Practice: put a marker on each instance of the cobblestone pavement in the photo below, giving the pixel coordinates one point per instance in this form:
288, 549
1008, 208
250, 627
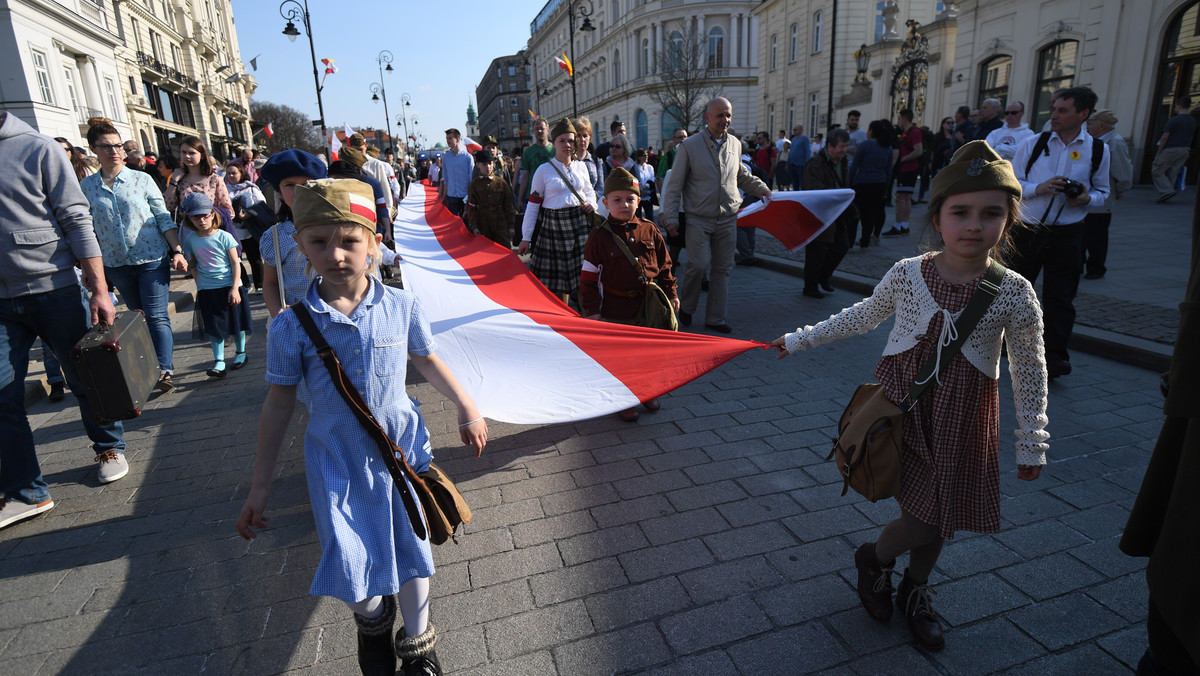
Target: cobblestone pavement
1148, 261
708, 538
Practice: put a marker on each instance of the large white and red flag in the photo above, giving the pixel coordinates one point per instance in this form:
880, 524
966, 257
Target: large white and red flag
796, 217
524, 356
471, 145
335, 147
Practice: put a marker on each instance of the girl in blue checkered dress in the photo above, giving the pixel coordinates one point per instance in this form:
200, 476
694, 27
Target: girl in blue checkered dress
368, 549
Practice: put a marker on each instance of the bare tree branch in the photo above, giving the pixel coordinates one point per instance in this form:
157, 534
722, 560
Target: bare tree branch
291, 127
682, 74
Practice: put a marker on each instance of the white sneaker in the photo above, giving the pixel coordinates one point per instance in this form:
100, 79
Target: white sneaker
12, 511
112, 466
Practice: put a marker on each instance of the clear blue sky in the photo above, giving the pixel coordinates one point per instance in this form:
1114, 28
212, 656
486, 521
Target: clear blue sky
440, 49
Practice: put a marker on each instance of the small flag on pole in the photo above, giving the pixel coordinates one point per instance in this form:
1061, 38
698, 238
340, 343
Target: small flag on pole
330, 69
532, 116
565, 64
254, 62
269, 131
334, 147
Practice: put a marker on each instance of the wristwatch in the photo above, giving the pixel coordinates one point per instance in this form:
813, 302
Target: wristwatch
177, 252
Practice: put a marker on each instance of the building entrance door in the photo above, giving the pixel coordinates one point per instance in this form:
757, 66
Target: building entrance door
1178, 76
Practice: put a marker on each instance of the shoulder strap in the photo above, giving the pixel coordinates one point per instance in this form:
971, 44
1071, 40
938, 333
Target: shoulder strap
1042, 147
633, 260
393, 456
1097, 154
981, 300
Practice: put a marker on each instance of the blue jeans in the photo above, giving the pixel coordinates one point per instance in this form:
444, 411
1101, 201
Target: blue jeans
60, 319
50, 363
144, 287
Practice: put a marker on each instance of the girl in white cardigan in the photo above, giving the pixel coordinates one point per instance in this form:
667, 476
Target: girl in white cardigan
950, 475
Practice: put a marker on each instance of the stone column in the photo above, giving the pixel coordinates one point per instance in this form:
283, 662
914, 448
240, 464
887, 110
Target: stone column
752, 42
735, 52
91, 84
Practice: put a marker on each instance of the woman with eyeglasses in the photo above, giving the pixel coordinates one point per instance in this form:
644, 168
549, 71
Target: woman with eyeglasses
619, 155
138, 240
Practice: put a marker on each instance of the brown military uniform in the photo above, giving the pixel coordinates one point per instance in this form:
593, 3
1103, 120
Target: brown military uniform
609, 285
490, 201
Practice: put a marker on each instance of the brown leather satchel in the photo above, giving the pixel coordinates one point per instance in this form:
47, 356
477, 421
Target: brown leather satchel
871, 429
444, 507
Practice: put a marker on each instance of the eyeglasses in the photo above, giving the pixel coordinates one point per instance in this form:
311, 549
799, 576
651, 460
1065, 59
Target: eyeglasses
112, 148
1012, 112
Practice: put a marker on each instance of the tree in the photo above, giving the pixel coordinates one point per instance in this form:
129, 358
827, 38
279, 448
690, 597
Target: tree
291, 128
683, 90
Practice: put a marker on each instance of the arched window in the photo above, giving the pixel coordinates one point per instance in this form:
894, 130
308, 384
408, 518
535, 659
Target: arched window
675, 53
645, 57
668, 123
993, 79
1056, 69
616, 68
716, 47
817, 30
794, 43
641, 129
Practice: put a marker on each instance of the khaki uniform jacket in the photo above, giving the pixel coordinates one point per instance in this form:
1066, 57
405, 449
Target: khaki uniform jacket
706, 178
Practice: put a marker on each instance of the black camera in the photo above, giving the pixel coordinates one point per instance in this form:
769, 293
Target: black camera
1072, 189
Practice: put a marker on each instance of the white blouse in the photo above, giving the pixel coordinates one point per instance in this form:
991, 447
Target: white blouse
555, 192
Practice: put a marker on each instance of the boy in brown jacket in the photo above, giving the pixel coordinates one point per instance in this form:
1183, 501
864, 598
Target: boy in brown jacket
610, 287
490, 202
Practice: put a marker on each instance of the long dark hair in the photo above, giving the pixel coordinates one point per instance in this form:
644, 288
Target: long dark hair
78, 164
196, 144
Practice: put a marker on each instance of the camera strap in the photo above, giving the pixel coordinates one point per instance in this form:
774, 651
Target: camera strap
1051, 204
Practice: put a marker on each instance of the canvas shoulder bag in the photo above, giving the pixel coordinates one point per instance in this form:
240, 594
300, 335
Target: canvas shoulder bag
444, 506
656, 311
871, 430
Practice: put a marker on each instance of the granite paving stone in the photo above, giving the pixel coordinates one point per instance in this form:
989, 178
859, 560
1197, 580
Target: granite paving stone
707, 538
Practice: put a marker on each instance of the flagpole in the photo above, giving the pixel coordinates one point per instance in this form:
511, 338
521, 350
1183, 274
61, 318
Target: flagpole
301, 12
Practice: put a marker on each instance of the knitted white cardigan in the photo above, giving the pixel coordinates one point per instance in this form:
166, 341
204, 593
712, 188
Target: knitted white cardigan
1015, 316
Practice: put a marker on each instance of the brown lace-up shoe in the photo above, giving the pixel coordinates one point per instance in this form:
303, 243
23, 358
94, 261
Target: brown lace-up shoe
916, 604
874, 582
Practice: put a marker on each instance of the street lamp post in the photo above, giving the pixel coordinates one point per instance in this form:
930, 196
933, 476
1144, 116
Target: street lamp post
295, 11
584, 13
405, 100
384, 57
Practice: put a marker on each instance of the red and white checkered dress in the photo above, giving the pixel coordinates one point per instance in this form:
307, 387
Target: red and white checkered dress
950, 467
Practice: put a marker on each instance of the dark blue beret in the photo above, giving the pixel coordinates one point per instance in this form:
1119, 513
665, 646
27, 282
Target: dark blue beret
293, 162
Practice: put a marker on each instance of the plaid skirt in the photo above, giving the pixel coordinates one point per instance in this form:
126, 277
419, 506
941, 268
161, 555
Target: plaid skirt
558, 251
950, 467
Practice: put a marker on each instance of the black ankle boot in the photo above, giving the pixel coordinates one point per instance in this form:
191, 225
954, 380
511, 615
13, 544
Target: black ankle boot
416, 654
915, 603
874, 582
376, 657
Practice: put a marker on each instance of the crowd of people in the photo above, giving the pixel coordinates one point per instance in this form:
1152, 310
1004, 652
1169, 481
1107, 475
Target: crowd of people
316, 235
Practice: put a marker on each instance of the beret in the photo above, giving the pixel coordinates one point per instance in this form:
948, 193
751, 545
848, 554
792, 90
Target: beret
292, 162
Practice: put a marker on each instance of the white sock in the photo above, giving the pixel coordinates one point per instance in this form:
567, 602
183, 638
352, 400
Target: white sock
369, 608
414, 606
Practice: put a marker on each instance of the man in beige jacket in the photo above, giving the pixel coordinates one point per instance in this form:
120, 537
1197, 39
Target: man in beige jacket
705, 179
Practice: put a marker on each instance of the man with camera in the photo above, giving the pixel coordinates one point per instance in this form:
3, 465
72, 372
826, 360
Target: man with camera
1062, 172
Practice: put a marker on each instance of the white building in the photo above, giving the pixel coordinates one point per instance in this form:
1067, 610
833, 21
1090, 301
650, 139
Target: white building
620, 62
159, 69
62, 66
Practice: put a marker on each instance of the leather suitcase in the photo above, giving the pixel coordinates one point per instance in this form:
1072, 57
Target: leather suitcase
117, 366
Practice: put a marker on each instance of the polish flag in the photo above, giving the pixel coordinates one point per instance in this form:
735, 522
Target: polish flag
268, 131
796, 217
330, 69
524, 356
348, 131
471, 144
565, 64
335, 146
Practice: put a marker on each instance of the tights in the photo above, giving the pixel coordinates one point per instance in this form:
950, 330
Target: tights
413, 602
910, 534
218, 345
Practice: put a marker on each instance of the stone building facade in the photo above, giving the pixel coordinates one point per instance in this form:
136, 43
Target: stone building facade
159, 69
505, 101
619, 63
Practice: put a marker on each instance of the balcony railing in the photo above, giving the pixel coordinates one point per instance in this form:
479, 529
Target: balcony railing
150, 62
93, 10
84, 113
